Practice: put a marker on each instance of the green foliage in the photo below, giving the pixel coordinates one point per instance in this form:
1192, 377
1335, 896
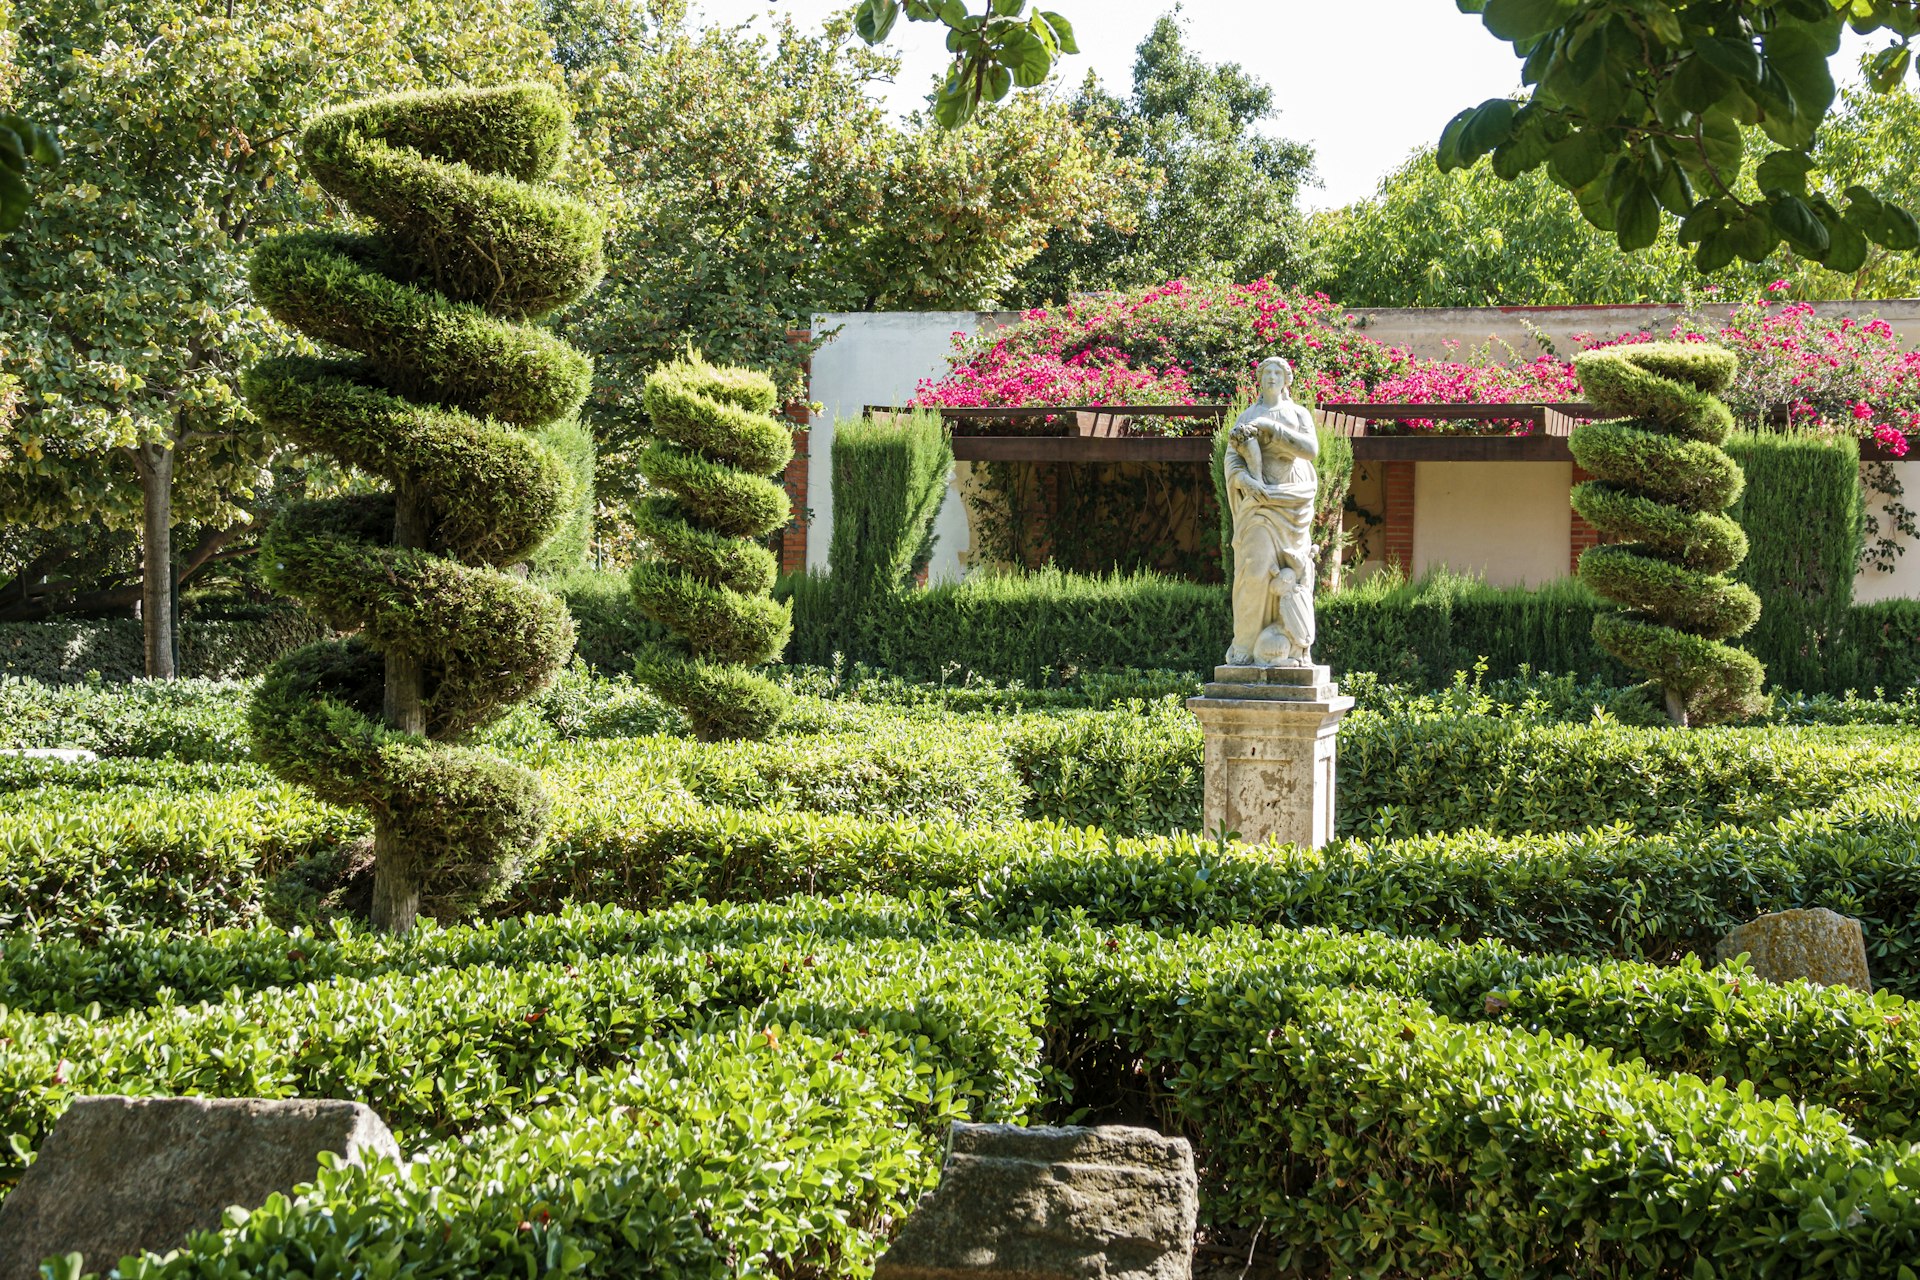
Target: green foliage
1660, 476
442, 404
609, 629
61, 651
1802, 510
889, 479
1224, 196
999, 48
1640, 114
716, 443
566, 551
745, 203
124, 304
768, 1086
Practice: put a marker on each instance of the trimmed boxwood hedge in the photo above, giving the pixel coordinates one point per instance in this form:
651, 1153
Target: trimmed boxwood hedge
718, 1089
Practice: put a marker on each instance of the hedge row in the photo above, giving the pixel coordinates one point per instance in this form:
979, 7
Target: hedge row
633, 1093
63, 651
93, 850
194, 863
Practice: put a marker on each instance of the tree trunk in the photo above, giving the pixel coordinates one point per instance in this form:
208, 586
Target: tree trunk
154, 462
1677, 709
396, 878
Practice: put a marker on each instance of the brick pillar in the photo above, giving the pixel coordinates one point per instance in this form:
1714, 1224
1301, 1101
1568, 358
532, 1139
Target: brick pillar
793, 538
1396, 478
1584, 535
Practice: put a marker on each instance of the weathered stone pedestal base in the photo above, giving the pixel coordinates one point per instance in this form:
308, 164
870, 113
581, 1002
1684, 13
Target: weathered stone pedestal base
1270, 751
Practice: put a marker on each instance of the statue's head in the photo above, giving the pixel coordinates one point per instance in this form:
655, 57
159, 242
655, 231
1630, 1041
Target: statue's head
1275, 373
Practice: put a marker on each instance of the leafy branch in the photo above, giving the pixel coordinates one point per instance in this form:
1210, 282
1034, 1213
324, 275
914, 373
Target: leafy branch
1638, 108
993, 51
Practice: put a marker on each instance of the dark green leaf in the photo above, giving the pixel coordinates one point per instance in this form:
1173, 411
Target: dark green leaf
1577, 159
1847, 252
1636, 217
874, 20
1517, 20
1062, 31
1795, 220
1889, 67
1491, 125
1784, 171
1730, 56
1697, 84
1715, 253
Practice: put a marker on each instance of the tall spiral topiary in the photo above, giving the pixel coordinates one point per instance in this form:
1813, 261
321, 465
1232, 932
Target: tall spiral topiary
449, 385
1662, 481
715, 445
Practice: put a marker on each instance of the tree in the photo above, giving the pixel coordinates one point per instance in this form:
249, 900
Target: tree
25, 146
1662, 481
123, 300
1638, 109
746, 201
716, 443
1224, 199
451, 382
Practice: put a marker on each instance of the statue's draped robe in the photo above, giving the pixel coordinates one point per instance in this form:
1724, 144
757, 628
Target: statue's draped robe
1269, 533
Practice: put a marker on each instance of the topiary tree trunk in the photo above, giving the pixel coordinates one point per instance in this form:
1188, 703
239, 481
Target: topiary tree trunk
1662, 482
715, 443
450, 385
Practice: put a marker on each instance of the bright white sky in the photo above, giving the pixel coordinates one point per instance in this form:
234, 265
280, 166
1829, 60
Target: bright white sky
1363, 81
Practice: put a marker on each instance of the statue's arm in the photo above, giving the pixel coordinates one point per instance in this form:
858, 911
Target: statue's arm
1299, 432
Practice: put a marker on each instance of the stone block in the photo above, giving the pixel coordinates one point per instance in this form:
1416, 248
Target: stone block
1269, 757
1812, 943
118, 1176
1108, 1203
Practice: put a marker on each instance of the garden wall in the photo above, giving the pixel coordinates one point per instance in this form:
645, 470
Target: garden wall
1507, 521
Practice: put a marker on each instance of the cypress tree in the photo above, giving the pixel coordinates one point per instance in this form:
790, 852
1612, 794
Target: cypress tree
444, 398
715, 446
1662, 483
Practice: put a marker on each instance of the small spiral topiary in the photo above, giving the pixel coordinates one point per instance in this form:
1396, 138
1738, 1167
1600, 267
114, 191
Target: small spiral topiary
715, 443
450, 385
1662, 481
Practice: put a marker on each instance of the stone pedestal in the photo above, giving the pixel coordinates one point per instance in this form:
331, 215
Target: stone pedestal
1270, 752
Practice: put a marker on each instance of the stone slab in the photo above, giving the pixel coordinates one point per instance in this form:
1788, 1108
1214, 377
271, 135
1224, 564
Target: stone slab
1106, 1203
119, 1176
1273, 675
1269, 766
1810, 943
1270, 692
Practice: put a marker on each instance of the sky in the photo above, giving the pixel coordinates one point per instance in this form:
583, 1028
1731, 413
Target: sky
1364, 81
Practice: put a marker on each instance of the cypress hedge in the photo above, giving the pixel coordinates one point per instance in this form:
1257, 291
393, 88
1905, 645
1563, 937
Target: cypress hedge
889, 478
445, 399
1803, 514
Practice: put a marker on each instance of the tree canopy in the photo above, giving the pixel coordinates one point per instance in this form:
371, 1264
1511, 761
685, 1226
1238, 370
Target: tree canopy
1224, 199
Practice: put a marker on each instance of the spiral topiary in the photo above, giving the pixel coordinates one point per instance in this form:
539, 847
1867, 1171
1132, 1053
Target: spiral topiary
1662, 480
715, 443
443, 401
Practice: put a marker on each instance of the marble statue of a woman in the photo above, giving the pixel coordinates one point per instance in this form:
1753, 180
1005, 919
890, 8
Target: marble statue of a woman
1271, 486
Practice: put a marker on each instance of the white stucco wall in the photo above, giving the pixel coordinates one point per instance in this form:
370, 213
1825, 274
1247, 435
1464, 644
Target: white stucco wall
1508, 522
879, 358
1904, 581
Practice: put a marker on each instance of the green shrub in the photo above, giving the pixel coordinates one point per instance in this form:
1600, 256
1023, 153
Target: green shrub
1661, 479
445, 403
715, 444
609, 629
889, 478
566, 551
66, 651
1802, 512
202, 720
721, 1089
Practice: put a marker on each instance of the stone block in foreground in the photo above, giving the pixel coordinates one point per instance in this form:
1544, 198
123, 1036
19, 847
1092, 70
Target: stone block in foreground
1811, 942
118, 1176
1108, 1203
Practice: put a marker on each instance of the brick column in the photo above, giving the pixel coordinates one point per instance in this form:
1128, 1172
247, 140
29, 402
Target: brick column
1584, 535
1396, 478
793, 539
